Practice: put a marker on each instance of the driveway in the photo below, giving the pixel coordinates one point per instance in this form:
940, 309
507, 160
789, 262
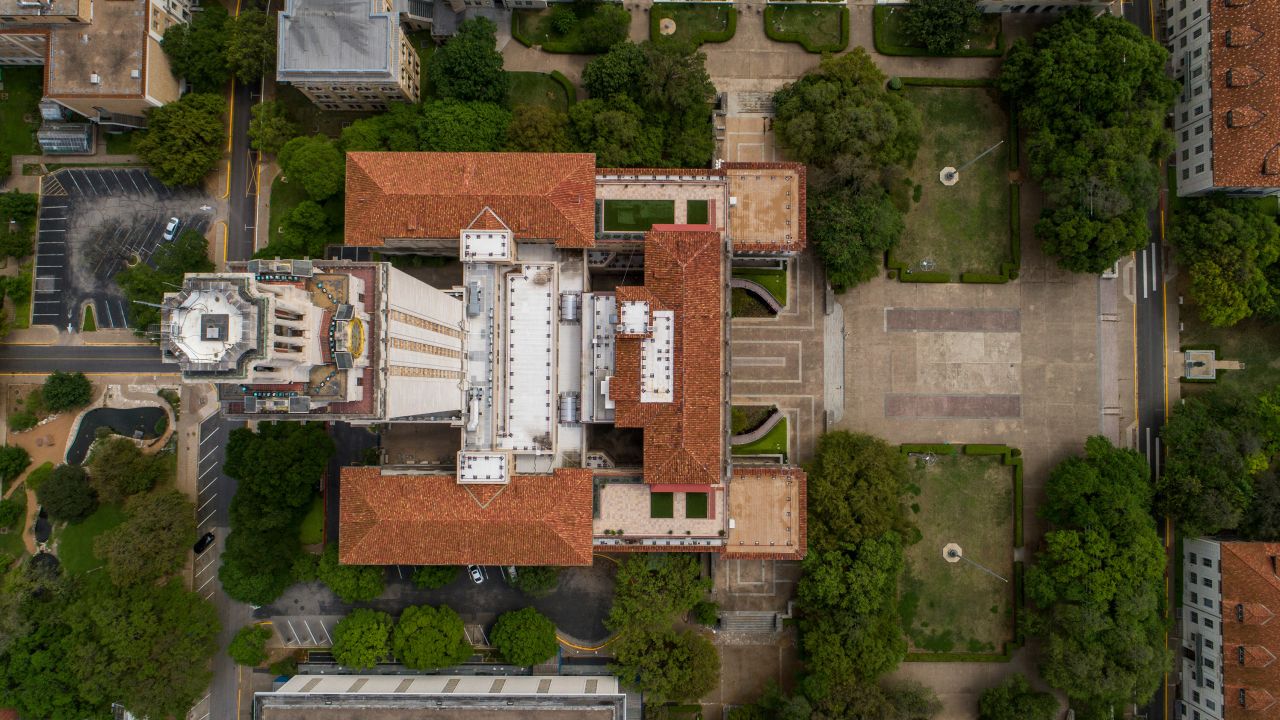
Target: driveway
93, 223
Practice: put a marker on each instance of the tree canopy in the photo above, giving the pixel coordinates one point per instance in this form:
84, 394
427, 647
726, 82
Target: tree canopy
855, 488
145, 284
251, 44
20, 208
1014, 699
119, 468
270, 127
651, 589
249, 646
667, 664
1230, 247
429, 637
152, 542
361, 639
942, 26
13, 461
1211, 455
615, 131
66, 391
525, 637
538, 128
1094, 92
852, 230
537, 581
315, 163
185, 139
351, 583
434, 577
197, 50
455, 126
67, 494
468, 66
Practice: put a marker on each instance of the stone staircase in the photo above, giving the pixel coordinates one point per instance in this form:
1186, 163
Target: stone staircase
745, 621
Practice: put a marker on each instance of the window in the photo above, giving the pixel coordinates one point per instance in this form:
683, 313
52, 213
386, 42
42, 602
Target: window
1200, 131
1197, 33
1195, 617
1195, 598
1196, 15
1207, 602
1195, 74
1182, 24
1195, 696
1239, 612
1182, 42
1211, 704
1208, 663
1185, 173
1198, 90
1193, 575
1186, 136
1197, 52
1208, 622
1208, 683
1240, 697
1185, 156
1208, 644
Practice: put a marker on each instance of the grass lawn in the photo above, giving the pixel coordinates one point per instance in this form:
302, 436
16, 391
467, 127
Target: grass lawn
22, 305
312, 530
661, 505
695, 505
892, 39
75, 542
697, 212
743, 304
773, 280
88, 325
965, 227
286, 196
308, 116
818, 29
637, 215
122, 143
773, 443
11, 544
535, 88
695, 23
955, 607
19, 112
38, 475
533, 27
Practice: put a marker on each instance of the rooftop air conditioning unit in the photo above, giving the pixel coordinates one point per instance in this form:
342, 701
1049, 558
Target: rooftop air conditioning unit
95, 78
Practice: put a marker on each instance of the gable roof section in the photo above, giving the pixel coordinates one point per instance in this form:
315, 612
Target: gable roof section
1248, 579
683, 439
1241, 148
539, 196
433, 520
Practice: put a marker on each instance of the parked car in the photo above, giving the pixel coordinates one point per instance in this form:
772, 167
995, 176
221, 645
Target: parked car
477, 575
203, 543
171, 230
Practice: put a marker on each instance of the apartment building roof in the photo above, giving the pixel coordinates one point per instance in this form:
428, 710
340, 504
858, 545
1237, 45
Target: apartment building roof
336, 37
1250, 590
683, 436
435, 520
538, 196
104, 58
1245, 63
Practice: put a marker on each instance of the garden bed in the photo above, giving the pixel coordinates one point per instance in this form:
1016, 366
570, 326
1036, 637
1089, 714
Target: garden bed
637, 215
816, 28
775, 442
892, 39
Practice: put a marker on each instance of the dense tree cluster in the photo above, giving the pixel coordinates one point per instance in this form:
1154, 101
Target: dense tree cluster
249, 646
362, 639
148, 282
855, 136
1231, 248
315, 163
18, 208
118, 468
537, 581
67, 494
13, 461
185, 139
424, 638
351, 583
1014, 699
468, 66
434, 577
942, 26
270, 127
214, 46
152, 542
1093, 93
1096, 590
66, 391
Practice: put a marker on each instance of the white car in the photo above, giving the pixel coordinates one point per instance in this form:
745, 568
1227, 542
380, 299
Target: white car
171, 230
477, 575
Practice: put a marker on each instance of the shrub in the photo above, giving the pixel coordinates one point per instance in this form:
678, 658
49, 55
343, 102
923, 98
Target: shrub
249, 646
23, 420
434, 577
66, 391
563, 20
706, 612
13, 460
11, 512
351, 583
536, 581
287, 667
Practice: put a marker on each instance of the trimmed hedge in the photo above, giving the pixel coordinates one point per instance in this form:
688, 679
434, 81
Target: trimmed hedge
803, 40
655, 17
885, 46
936, 448
924, 276
949, 82
1015, 159
570, 92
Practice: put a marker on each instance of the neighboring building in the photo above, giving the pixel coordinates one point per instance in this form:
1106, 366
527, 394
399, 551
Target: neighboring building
1226, 54
349, 54
443, 697
61, 138
102, 60
1230, 640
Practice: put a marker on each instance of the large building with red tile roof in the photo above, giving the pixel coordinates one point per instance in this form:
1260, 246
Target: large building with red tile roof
1230, 661
1226, 53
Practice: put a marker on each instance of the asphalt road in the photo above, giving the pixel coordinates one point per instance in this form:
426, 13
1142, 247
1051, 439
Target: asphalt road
242, 214
43, 359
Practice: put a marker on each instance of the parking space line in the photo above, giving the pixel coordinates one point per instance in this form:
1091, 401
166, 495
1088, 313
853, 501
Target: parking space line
72, 174
206, 471
53, 231
206, 455
207, 439
206, 582
110, 321
313, 636
293, 633
206, 486
206, 518
124, 319
206, 502
327, 637
52, 207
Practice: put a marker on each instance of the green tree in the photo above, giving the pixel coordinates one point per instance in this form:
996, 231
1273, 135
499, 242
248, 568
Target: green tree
454, 126
855, 486
604, 28
249, 646
525, 637
351, 583
361, 639
251, 44
617, 72
197, 50
1206, 485
650, 590
152, 542
18, 208
537, 581
853, 230
616, 131
1096, 135
270, 127
315, 163
942, 26
428, 637
666, 665
67, 494
257, 565
1230, 247
11, 511
189, 252
469, 67
1014, 699
66, 391
13, 461
185, 139
434, 577
538, 128
841, 121
119, 468
706, 612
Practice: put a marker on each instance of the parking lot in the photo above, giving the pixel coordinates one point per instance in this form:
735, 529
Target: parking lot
213, 498
93, 223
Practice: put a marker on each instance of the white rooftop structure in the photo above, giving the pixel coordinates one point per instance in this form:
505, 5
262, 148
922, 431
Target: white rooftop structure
486, 245
208, 324
657, 360
635, 317
531, 329
484, 467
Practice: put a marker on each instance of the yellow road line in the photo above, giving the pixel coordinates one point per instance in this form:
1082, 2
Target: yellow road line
224, 241
227, 193
606, 557
566, 643
231, 115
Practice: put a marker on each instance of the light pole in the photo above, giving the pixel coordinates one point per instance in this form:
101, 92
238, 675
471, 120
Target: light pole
950, 176
953, 553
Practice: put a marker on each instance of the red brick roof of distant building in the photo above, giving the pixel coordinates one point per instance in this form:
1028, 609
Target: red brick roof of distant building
683, 439
1246, 156
540, 196
1249, 578
434, 520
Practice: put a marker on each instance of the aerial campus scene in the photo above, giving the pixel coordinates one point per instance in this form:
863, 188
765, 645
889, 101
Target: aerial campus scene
639, 359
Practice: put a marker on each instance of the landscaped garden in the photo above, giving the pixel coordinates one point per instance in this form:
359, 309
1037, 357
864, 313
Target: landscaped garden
75, 541
696, 23
535, 88
966, 227
578, 28
19, 113
637, 215
891, 37
772, 279
773, 442
967, 499
817, 29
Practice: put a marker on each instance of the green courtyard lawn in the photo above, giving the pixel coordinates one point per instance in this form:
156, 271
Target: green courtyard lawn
533, 27
818, 29
965, 227
956, 607
772, 279
661, 505
122, 143
535, 88
312, 530
22, 305
637, 215
286, 196
696, 23
774, 442
695, 505
892, 39
75, 542
19, 112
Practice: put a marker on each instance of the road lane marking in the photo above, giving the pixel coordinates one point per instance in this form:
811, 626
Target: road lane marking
208, 485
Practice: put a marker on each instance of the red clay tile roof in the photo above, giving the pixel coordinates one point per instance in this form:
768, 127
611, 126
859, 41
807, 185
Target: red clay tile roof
543, 196
683, 439
433, 520
1246, 150
1248, 579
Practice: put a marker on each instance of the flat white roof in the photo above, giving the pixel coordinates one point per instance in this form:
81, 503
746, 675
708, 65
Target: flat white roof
186, 326
635, 317
486, 245
656, 360
531, 329
479, 467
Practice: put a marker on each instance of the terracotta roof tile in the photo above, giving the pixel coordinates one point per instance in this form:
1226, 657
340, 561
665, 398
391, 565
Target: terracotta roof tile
543, 196
433, 520
1248, 579
683, 439
1246, 87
